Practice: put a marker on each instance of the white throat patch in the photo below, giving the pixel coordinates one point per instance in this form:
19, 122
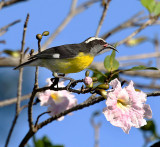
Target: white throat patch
93, 38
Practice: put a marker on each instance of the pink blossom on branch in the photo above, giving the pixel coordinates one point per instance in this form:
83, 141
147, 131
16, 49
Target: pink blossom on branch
126, 107
57, 101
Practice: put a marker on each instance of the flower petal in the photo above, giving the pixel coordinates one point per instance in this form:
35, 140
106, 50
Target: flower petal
125, 107
57, 101
148, 111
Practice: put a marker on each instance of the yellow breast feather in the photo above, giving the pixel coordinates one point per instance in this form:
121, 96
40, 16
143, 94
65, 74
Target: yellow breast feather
70, 65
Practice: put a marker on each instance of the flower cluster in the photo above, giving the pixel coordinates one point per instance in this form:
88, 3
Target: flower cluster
58, 101
125, 107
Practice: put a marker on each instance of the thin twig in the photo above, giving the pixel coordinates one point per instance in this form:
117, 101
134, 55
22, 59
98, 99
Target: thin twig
140, 24
36, 72
106, 5
157, 51
30, 104
140, 56
13, 100
19, 83
3, 41
147, 23
4, 29
36, 78
73, 6
11, 129
133, 64
61, 27
19, 92
156, 93
26, 106
147, 74
9, 3
96, 127
157, 87
40, 116
73, 11
66, 88
124, 25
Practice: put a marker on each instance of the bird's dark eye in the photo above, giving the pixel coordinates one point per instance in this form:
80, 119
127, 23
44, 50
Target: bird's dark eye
101, 42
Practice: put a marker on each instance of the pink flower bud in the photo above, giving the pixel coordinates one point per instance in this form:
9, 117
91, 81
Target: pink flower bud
88, 82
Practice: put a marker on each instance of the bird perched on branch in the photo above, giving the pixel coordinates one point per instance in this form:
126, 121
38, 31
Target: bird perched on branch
70, 58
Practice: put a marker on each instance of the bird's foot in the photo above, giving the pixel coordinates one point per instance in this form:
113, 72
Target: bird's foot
54, 82
56, 78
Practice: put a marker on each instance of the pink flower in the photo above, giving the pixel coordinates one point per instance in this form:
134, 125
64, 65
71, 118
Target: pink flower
58, 101
125, 107
88, 82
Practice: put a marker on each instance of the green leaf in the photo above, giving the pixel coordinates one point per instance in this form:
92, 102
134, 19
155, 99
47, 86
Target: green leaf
110, 63
100, 78
142, 67
150, 126
15, 54
39, 143
135, 41
113, 54
149, 5
144, 3
107, 63
97, 72
157, 9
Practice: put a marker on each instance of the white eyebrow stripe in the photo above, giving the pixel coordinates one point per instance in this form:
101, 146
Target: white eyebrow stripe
93, 38
56, 55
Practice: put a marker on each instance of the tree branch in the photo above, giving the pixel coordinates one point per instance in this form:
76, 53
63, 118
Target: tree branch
147, 23
140, 56
156, 93
13, 100
73, 11
124, 25
9, 3
40, 116
19, 83
106, 5
4, 29
146, 74
150, 86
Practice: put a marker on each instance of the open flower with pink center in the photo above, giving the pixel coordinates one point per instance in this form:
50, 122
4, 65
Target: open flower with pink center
126, 107
58, 101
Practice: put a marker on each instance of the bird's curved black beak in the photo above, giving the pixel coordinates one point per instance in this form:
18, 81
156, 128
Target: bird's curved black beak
110, 47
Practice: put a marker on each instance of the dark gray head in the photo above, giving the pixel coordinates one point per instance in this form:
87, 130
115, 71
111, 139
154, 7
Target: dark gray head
97, 46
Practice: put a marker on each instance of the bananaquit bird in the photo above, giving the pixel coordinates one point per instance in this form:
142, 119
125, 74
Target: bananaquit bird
70, 58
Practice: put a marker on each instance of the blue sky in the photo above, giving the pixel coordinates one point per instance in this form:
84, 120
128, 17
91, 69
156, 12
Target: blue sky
75, 130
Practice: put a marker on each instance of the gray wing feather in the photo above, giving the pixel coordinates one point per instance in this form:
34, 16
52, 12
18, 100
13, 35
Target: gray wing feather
65, 51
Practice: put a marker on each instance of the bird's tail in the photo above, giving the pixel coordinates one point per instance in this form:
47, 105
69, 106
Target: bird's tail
28, 63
